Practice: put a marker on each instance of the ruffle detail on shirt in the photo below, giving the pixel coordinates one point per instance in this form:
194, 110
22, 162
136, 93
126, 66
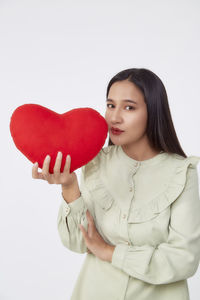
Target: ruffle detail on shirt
102, 195
95, 185
173, 190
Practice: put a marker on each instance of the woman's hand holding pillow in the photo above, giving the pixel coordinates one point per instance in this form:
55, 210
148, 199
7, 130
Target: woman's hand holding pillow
65, 178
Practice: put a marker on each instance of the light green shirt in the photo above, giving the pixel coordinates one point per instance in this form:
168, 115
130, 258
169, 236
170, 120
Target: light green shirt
150, 210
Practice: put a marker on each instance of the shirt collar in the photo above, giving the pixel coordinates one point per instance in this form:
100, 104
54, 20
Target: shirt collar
136, 163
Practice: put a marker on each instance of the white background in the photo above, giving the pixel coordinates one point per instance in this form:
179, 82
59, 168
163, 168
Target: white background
62, 54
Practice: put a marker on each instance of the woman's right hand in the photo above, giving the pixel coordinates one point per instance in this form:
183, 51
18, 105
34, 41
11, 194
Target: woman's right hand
66, 178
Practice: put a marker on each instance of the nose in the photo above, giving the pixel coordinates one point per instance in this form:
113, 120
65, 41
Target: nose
115, 116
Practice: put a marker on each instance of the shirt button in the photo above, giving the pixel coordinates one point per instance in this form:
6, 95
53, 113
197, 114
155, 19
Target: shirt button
130, 189
68, 210
124, 216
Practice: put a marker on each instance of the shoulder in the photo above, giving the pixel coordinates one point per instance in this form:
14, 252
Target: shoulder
185, 163
180, 162
185, 173
104, 154
184, 168
98, 162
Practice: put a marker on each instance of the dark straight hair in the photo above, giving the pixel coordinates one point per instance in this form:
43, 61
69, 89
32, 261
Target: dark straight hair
160, 129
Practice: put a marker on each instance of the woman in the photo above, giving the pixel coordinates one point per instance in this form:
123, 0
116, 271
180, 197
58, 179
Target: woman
137, 214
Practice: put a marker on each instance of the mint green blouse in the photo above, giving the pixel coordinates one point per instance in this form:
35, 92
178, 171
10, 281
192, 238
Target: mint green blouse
150, 210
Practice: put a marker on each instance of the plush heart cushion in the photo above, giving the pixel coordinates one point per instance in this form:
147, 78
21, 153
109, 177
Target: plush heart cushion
38, 131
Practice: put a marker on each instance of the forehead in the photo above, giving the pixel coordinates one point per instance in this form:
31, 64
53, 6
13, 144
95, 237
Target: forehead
125, 89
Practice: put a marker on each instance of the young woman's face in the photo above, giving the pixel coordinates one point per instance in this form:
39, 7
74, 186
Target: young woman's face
127, 116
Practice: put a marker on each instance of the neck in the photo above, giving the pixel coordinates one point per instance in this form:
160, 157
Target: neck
140, 150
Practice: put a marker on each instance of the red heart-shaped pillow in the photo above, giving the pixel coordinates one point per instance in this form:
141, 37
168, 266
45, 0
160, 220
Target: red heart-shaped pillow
38, 131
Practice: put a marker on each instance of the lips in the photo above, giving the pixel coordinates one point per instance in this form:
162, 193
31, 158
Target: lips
116, 129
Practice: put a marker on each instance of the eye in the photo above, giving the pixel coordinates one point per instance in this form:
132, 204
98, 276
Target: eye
108, 105
131, 107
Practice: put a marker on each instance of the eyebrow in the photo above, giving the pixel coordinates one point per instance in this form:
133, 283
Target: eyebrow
124, 100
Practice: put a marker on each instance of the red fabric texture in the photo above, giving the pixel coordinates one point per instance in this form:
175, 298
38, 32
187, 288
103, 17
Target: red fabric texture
38, 131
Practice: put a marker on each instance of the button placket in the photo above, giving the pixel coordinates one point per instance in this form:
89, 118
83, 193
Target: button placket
124, 228
131, 183
67, 210
125, 214
136, 165
133, 172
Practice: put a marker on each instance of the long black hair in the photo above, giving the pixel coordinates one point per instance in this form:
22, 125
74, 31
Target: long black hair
160, 129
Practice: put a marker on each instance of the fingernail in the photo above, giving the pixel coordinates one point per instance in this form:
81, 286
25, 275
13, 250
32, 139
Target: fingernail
59, 153
47, 157
36, 163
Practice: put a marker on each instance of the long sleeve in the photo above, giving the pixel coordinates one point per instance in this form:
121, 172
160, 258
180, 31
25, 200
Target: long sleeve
72, 214
176, 259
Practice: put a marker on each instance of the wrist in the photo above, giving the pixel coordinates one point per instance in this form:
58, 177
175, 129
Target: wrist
69, 186
110, 253
71, 192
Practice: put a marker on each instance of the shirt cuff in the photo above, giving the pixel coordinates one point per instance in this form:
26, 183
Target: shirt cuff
73, 207
119, 254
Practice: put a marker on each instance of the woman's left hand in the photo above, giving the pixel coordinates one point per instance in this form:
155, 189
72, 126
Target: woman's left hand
94, 241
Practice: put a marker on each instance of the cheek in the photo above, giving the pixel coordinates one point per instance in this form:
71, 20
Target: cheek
138, 122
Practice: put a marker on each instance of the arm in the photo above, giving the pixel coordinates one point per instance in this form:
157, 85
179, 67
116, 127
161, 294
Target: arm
72, 212
71, 193
176, 259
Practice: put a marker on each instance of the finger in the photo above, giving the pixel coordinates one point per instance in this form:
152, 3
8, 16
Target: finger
35, 173
45, 167
67, 164
91, 227
58, 162
84, 232
89, 217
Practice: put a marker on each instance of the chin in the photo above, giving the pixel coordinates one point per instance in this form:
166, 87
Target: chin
117, 141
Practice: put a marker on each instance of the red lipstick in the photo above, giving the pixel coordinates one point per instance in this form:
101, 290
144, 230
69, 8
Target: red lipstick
116, 130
